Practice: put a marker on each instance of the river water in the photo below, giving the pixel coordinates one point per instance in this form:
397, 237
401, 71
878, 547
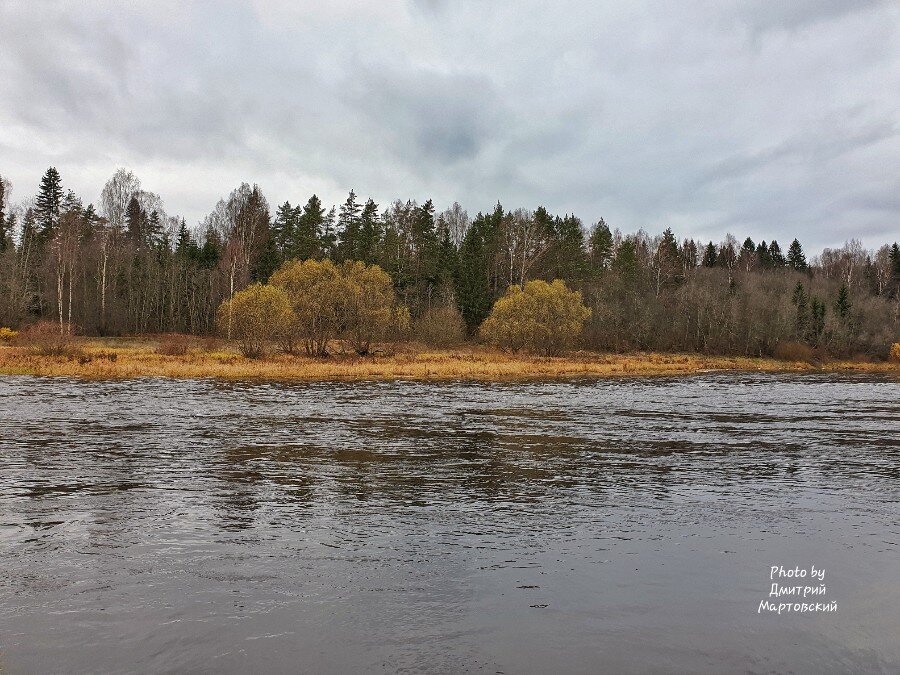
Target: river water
593, 526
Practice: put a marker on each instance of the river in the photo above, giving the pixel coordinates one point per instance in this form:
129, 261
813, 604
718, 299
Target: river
156, 525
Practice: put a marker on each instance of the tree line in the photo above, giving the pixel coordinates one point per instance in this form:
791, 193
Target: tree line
126, 266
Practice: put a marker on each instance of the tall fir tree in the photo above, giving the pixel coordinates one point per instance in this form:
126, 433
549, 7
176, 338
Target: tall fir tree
763, 259
795, 257
370, 233
348, 229
135, 221
842, 305
48, 202
474, 295
776, 258
800, 300
710, 255
184, 242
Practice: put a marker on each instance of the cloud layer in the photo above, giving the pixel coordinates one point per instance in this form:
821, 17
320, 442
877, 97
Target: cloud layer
767, 119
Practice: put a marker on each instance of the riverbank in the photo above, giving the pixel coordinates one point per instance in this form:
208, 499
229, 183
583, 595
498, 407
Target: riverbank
122, 358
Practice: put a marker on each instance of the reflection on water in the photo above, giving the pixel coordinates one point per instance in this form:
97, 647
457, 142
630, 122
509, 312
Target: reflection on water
159, 525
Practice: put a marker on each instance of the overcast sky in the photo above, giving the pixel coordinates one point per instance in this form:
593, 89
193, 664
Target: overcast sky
767, 119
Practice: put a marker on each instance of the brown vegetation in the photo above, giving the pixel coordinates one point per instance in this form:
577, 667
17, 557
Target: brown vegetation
441, 327
794, 351
174, 344
895, 352
138, 357
48, 338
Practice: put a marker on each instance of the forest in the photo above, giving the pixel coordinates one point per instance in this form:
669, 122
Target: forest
124, 266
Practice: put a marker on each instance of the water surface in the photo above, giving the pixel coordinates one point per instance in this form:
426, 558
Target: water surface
161, 526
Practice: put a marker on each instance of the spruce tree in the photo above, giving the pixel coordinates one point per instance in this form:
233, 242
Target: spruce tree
472, 282
800, 300
843, 306
155, 234
762, 255
369, 233
709, 255
817, 320
348, 229
48, 202
135, 221
776, 259
795, 257
184, 244
748, 246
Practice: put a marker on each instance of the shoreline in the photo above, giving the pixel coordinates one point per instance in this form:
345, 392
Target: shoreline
128, 358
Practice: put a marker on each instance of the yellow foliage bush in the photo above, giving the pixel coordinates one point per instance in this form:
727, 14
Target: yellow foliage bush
543, 317
368, 299
314, 289
895, 351
254, 317
7, 334
354, 301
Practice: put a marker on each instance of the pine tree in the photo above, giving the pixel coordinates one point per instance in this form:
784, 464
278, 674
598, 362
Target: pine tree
568, 250
284, 230
310, 239
795, 257
135, 221
709, 255
48, 202
600, 245
626, 263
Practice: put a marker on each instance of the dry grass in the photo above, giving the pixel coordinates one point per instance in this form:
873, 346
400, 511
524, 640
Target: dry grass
139, 357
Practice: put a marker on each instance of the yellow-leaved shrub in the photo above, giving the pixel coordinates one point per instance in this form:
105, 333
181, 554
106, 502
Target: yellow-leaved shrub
542, 317
254, 317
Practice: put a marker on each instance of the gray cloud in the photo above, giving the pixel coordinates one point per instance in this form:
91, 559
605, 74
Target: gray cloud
763, 119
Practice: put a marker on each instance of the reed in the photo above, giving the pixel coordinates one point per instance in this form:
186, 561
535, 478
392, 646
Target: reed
123, 358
